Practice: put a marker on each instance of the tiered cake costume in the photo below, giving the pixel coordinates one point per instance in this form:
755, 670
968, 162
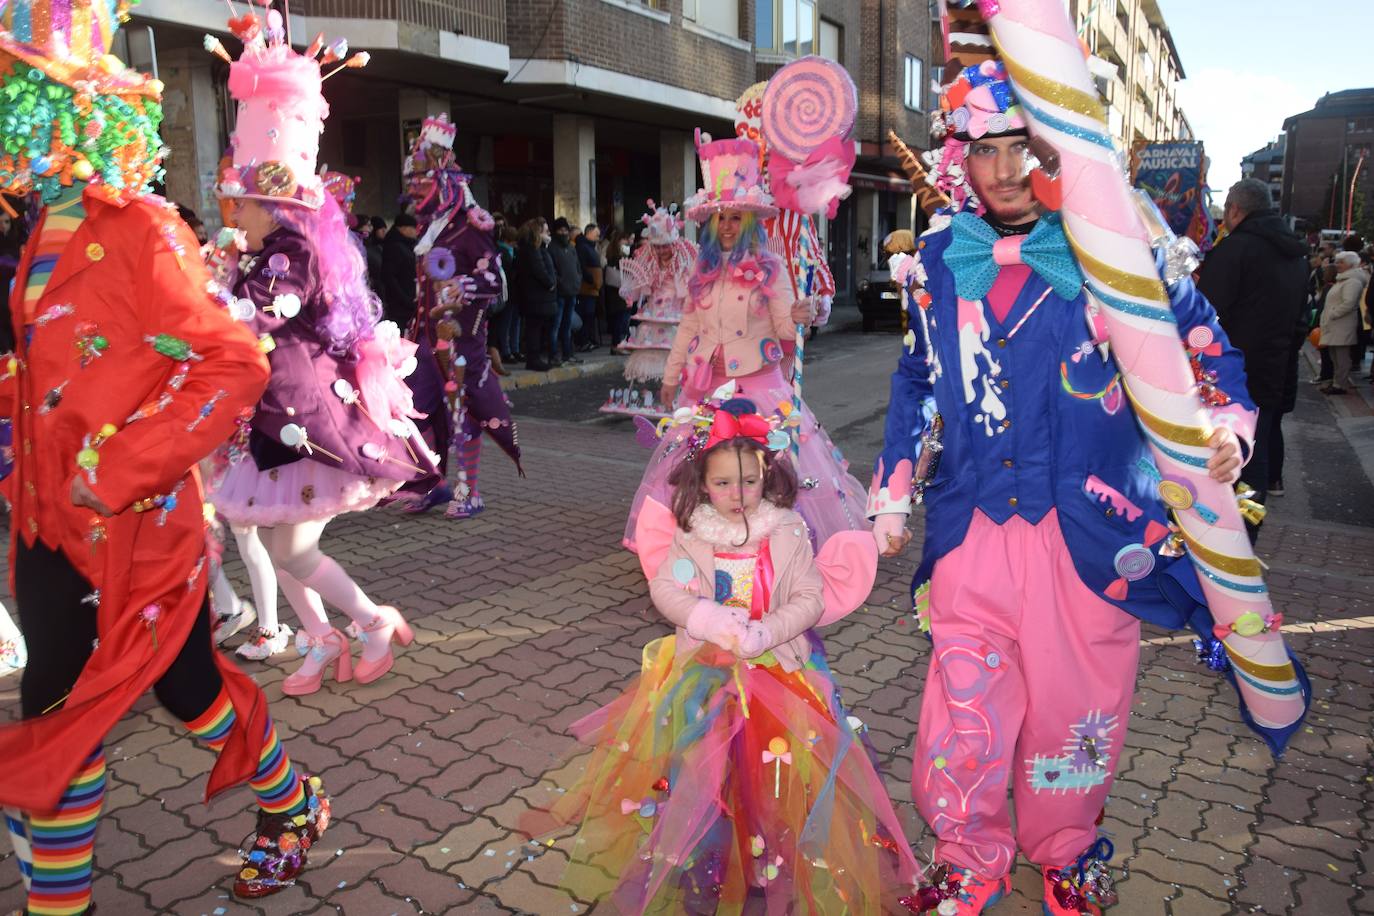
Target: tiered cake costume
460, 280
717, 778
333, 432
737, 330
125, 374
655, 283
1046, 542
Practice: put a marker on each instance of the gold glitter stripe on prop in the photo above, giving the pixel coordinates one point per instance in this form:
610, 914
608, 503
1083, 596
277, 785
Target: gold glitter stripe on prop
1119, 280
1282, 672
1174, 432
1236, 566
1066, 97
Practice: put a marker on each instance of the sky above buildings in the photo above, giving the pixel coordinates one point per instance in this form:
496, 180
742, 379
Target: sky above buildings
1252, 63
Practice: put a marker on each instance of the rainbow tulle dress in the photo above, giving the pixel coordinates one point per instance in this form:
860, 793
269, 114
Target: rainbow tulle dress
716, 784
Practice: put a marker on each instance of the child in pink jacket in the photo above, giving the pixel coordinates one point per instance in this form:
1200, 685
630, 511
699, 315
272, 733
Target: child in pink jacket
729, 769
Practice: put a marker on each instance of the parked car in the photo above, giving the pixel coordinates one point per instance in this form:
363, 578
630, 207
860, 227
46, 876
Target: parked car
880, 302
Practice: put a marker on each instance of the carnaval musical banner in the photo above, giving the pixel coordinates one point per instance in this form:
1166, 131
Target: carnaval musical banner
1175, 176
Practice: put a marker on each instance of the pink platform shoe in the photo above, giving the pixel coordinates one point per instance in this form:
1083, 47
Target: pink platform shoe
388, 626
321, 654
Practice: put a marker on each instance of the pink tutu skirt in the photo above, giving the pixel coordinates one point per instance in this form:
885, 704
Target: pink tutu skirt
829, 498
302, 491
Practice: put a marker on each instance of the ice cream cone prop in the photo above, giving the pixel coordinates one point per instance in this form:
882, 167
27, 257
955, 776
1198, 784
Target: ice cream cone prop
1056, 93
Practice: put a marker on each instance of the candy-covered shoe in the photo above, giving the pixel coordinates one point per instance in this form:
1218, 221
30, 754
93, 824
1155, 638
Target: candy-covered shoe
465, 508
951, 891
321, 654
377, 657
276, 851
1084, 887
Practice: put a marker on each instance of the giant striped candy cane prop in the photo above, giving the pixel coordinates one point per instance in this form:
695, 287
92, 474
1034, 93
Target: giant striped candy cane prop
1037, 42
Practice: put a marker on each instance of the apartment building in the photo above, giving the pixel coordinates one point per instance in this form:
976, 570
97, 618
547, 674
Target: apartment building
1325, 145
1140, 80
579, 108
1266, 165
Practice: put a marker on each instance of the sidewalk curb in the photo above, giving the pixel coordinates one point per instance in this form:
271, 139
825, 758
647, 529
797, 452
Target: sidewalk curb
525, 378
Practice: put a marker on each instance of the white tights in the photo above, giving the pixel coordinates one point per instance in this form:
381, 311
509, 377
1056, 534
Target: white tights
307, 575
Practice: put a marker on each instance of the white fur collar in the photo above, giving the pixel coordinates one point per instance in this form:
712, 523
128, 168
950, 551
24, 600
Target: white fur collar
710, 526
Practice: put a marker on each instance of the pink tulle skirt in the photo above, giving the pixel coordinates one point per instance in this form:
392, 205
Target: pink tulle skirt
303, 491
829, 498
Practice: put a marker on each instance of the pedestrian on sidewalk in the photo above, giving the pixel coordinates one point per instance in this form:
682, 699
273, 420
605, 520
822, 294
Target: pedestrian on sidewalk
617, 309
729, 769
569, 268
1341, 320
589, 294
1256, 279
108, 542
506, 325
398, 271
536, 285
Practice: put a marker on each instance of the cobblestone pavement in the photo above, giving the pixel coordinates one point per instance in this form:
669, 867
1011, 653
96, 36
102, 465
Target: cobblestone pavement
531, 615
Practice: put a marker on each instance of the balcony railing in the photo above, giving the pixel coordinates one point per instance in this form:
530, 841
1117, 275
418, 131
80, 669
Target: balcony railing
483, 19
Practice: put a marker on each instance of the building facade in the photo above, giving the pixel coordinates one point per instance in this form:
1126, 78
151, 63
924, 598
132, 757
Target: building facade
1141, 69
576, 108
1324, 147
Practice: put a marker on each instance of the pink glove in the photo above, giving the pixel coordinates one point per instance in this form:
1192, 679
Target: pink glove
756, 640
718, 624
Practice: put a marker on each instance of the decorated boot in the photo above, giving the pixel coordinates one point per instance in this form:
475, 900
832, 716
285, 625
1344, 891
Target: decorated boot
266, 643
951, 891
277, 850
1085, 887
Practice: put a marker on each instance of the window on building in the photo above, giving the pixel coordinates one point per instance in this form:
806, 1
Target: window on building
717, 15
788, 26
913, 82
832, 41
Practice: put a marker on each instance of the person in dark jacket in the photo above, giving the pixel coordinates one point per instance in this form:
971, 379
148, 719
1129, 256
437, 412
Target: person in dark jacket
398, 272
374, 232
569, 269
536, 289
506, 324
1256, 279
589, 295
12, 237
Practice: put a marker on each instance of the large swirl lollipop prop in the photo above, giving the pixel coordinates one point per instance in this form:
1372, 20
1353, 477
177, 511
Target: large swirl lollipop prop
1039, 46
808, 105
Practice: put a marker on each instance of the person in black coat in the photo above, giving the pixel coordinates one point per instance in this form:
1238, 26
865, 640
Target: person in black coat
1256, 279
398, 272
374, 232
536, 289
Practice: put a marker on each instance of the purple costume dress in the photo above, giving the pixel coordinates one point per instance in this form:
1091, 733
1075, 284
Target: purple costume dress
331, 433
455, 384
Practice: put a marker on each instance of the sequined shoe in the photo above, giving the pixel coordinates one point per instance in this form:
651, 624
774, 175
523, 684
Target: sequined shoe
465, 508
388, 627
322, 654
265, 644
1084, 887
951, 891
227, 625
276, 851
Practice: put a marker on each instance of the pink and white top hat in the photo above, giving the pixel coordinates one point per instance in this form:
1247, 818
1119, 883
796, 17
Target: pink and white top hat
281, 112
730, 169
433, 148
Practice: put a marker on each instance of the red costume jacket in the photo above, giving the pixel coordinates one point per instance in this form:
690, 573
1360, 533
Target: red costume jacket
126, 372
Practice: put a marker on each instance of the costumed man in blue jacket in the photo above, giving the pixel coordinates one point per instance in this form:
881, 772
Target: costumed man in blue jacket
1045, 543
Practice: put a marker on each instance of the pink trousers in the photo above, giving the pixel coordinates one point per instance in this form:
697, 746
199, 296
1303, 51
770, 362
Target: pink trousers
1030, 682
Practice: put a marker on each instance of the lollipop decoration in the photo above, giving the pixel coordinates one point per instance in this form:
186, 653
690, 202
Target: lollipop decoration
808, 112
1038, 44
